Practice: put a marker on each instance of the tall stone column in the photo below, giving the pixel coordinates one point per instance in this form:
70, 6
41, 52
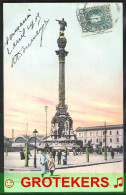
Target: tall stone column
62, 54
62, 115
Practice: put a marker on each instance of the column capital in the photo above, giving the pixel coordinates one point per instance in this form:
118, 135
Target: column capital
61, 53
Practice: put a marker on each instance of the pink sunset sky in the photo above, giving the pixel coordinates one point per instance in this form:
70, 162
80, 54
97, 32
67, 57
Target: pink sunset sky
93, 67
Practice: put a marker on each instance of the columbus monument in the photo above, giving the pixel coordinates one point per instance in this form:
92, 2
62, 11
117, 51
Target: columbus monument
62, 133
62, 123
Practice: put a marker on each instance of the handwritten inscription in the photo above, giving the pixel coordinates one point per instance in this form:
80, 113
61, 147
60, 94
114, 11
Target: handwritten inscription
18, 42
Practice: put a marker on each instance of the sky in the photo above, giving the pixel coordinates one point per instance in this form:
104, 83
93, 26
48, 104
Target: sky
93, 69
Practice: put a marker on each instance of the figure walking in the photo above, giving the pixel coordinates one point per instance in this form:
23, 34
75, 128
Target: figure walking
51, 164
44, 163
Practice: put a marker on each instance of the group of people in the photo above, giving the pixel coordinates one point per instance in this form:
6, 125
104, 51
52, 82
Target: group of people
61, 154
48, 164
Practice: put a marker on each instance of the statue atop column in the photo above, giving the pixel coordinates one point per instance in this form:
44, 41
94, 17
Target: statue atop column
62, 24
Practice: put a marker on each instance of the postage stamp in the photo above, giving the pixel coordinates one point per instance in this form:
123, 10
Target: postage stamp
95, 19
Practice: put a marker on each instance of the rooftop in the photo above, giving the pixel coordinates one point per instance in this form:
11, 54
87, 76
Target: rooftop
120, 126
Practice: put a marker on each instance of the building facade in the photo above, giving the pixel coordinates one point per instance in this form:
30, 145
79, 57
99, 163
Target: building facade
96, 135
22, 140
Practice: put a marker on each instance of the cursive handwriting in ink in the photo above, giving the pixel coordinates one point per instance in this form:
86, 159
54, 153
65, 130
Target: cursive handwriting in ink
18, 55
32, 23
10, 37
43, 28
24, 35
16, 42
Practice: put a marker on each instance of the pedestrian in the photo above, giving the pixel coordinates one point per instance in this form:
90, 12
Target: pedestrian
59, 157
22, 154
80, 150
112, 153
64, 158
117, 149
29, 152
54, 154
44, 163
51, 164
73, 151
65, 150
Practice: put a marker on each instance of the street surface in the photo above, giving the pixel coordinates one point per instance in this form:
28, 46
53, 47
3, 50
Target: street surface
75, 164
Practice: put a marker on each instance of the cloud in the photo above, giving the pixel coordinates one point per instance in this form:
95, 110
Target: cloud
14, 122
9, 115
42, 100
108, 111
77, 111
17, 110
79, 121
104, 104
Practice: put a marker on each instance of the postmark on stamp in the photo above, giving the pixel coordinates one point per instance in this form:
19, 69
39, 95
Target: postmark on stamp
97, 19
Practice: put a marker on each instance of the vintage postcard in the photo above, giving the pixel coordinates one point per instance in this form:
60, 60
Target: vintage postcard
63, 97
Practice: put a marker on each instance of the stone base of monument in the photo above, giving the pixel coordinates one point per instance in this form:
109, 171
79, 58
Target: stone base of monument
61, 143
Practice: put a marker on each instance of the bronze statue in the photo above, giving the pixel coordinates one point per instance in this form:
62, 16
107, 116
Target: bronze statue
62, 24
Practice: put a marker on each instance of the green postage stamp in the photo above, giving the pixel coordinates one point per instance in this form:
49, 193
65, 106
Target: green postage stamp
97, 18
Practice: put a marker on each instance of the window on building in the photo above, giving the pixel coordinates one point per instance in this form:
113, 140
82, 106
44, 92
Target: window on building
85, 141
117, 139
90, 140
85, 133
90, 133
79, 134
96, 140
103, 140
110, 139
103, 133
110, 132
117, 132
96, 133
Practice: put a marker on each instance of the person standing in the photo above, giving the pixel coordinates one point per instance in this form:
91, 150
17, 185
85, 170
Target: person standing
112, 153
22, 154
73, 151
44, 163
65, 150
51, 164
59, 157
54, 154
64, 157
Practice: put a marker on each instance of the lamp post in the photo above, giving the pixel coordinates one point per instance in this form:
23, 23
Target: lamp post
26, 148
35, 131
105, 150
26, 154
7, 146
46, 108
12, 133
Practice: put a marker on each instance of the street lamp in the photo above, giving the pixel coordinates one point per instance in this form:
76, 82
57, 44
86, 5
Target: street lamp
35, 131
105, 150
46, 108
26, 148
26, 152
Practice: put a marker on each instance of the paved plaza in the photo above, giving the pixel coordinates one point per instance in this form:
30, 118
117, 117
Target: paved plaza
12, 162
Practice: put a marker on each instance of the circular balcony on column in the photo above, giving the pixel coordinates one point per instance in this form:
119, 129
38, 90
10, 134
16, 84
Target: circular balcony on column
62, 41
